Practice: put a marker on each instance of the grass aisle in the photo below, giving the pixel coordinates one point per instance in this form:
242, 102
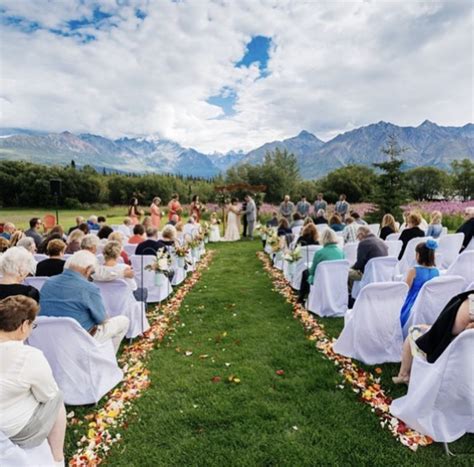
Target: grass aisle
234, 324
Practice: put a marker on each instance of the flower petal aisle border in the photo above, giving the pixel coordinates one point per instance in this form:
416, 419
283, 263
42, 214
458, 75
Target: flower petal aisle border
361, 381
94, 445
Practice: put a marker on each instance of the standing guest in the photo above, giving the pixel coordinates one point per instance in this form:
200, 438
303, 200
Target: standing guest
335, 223
15, 265
54, 265
93, 223
416, 277
119, 237
155, 212
4, 244
369, 247
302, 207
297, 220
250, 214
287, 208
8, 230
273, 222
195, 208
388, 226
16, 237
349, 234
72, 295
320, 203
74, 241
283, 228
329, 252
31, 404
435, 228
309, 235
79, 220
468, 227
320, 217
28, 244
412, 231
33, 231
244, 220
357, 219
174, 208
342, 207
134, 211
138, 235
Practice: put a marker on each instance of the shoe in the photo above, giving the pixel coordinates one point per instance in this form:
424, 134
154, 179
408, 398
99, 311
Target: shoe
401, 380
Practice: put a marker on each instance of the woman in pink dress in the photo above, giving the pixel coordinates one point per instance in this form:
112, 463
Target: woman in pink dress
134, 211
195, 208
175, 208
156, 212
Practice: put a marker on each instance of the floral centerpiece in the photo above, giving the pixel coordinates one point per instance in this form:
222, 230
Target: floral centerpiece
181, 251
205, 229
161, 266
291, 257
264, 231
195, 245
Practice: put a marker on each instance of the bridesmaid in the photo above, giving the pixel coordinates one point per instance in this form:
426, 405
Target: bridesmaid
156, 212
195, 208
134, 212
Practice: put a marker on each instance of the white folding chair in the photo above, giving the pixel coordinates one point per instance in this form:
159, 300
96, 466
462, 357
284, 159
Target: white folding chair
328, 295
119, 300
296, 231
449, 246
307, 253
380, 269
432, 298
440, 398
12, 455
469, 287
40, 257
462, 266
179, 271
130, 248
392, 237
470, 245
372, 331
409, 256
84, 369
444, 231
350, 252
146, 279
374, 228
321, 228
394, 247
36, 281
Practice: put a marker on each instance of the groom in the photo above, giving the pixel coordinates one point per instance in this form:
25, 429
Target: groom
250, 214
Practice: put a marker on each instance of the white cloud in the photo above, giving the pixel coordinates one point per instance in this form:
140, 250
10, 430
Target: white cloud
333, 66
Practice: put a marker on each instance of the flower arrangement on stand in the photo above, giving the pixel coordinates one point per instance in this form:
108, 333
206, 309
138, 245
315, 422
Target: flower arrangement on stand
291, 257
195, 245
205, 230
274, 242
181, 251
161, 266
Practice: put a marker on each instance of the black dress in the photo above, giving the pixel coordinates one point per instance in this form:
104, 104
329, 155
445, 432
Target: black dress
407, 235
468, 230
385, 232
8, 290
435, 341
50, 267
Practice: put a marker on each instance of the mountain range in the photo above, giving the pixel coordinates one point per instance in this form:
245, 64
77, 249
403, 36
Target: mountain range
425, 145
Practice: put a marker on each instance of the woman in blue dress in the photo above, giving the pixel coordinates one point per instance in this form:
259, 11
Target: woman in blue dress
417, 276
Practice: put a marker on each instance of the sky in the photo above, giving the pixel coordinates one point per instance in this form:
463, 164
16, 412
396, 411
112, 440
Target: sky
228, 75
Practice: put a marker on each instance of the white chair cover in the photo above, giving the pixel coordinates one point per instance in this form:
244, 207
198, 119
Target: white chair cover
278, 260
374, 228
463, 266
190, 229
444, 231
12, 455
328, 295
322, 227
469, 287
449, 246
296, 231
409, 256
307, 253
179, 271
394, 247
37, 281
380, 269
124, 230
392, 237
470, 245
432, 298
130, 248
84, 369
372, 331
440, 398
40, 257
144, 278
350, 252
119, 300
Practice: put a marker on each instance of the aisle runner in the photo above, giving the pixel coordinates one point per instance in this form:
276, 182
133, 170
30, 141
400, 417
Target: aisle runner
94, 446
361, 381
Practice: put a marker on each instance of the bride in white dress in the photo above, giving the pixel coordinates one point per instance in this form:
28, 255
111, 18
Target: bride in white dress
232, 231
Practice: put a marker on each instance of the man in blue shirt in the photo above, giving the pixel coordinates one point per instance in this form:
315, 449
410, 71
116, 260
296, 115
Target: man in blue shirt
71, 295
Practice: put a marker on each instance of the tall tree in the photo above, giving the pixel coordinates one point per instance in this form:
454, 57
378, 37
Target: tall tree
463, 178
426, 183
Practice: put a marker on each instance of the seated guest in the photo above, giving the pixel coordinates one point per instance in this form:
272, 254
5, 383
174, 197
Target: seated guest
412, 231
349, 234
119, 237
329, 252
388, 226
168, 237
435, 228
297, 220
308, 220
56, 233
369, 247
273, 222
283, 228
31, 404
93, 223
8, 230
16, 237
138, 235
85, 228
357, 219
74, 241
4, 244
309, 236
34, 231
104, 233
72, 295
126, 227
468, 227
423, 224
429, 342
173, 220
151, 245
54, 265
15, 265
335, 223
147, 222
417, 276
91, 243
28, 244
79, 220
320, 217
101, 220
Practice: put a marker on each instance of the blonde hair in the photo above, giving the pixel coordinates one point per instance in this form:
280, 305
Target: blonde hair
112, 250
389, 221
116, 237
329, 237
414, 219
16, 237
169, 232
75, 235
436, 217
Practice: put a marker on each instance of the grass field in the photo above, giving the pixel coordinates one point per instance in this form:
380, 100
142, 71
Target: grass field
236, 326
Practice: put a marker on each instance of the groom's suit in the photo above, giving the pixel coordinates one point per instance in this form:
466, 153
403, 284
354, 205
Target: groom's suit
251, 216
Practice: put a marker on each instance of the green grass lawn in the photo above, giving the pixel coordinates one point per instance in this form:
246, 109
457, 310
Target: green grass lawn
236, 326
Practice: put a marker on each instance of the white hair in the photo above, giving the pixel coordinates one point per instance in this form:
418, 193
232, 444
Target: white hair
81, 259
28, 244
90, 241
169, 232
329, 237
93, 219
17, 261
470, 211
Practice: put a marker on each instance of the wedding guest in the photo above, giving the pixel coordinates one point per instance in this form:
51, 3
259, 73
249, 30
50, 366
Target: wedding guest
93, 223
319, 204
151, 245
302, 207
35, 226
174, 208
335, 223
126, 227
342, 207
138, 235
4, 244
214, 229
329, 252
429, 342
101, 220
54, 265
79, 220
168, 237
308, 220
273, 222
134, 211
283, 228
56, 233
349, 233
416, 277
84, 228
250, 214
8, 230
309, 236
468, 227
119, 237
412, 231
15, 265
357, 219
104, 233
174, 220
74, 241
16, 237
320, 217
195, 208
297, 221
435, 228
155, 212
31, 404
90, 243
287, 208
28, 244
244, 219
423, 225
147, 222
388, 226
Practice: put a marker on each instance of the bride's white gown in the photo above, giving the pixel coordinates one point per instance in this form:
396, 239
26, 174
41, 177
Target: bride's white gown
232, 232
